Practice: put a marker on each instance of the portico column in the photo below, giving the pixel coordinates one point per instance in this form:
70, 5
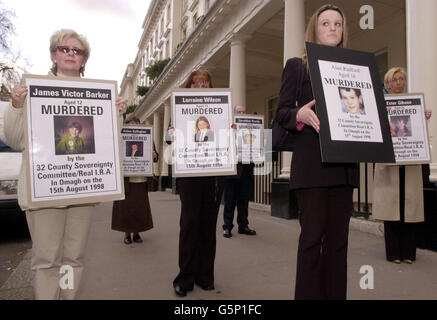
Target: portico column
237, 78
157, 137
294, 35
162, 155
421, 63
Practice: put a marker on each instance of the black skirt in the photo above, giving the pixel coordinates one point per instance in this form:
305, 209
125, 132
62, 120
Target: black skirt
133, 214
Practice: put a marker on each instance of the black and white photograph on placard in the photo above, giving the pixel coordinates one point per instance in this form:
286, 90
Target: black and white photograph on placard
350, 105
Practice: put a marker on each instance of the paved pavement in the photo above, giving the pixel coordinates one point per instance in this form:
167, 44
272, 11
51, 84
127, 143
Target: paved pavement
260, 267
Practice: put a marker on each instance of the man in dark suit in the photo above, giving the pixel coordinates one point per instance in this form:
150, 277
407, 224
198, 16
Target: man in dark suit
237, 193
134, 151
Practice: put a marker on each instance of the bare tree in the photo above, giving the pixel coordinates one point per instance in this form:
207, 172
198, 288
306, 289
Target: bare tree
10, 70
6, 27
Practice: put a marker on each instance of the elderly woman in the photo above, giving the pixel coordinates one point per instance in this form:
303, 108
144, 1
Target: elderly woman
59, 235
392, 186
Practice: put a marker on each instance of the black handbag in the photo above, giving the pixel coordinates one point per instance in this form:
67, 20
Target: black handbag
283, 139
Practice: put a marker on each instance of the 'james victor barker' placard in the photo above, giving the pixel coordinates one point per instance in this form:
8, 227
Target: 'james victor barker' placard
203, 143
73, 141
350, 105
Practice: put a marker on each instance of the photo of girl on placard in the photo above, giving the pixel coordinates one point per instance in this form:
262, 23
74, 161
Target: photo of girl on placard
203, 131
401, 125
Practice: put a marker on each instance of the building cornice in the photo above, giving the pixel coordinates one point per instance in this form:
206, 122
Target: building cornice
205, 37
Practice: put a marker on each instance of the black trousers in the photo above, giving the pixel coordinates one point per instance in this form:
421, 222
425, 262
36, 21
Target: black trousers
200, 201
237, 193
400, 242
324, 215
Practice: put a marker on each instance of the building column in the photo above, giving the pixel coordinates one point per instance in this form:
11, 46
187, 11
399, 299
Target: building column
237, 78
164, 152
202, 7
294, 35
157, 138
421, 63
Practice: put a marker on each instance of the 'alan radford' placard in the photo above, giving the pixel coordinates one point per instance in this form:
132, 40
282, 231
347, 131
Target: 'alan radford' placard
350, 105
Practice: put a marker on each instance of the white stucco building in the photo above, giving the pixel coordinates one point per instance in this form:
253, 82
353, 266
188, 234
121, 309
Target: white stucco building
244, 45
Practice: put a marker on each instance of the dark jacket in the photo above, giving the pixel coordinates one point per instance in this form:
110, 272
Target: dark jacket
307, 170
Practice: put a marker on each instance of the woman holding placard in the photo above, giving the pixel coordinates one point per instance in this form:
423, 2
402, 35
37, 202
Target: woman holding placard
200, 202
393, 185
59, 235
133, 214
324, 191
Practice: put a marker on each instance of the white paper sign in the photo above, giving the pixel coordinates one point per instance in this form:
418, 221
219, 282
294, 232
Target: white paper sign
250, 138
137, 146
350, 102
203, 143
409, 130
73, 141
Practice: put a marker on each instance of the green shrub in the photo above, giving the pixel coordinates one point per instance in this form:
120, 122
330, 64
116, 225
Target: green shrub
155, 69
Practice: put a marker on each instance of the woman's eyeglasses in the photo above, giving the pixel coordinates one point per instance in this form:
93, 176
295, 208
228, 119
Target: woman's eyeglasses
397, 79
66, 50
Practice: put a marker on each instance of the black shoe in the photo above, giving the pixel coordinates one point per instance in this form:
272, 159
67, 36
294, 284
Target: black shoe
127, 240
181, 292
227, 233
137, 238
247, 231
206, 287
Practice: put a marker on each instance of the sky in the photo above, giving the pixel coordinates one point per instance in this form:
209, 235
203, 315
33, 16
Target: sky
112, 27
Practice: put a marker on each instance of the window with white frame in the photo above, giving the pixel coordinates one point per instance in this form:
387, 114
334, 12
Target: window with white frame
169, 13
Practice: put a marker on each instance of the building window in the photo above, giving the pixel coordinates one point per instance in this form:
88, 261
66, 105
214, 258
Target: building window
184, 32
169, 13
272, 106
382, 63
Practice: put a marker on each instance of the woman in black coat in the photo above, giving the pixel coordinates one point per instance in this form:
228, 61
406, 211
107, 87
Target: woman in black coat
133, 214
200, 203
323, 190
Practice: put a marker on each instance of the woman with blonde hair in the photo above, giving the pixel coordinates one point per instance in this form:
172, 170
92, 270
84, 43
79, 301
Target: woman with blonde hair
59, 234
323, 190
393, 185
395, 80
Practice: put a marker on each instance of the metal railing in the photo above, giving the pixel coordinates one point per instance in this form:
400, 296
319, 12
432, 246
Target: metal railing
263, 185
262, 188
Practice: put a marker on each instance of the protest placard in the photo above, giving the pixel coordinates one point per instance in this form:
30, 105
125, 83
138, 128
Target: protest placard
137, 143
409, 129
350, 105
203, 142
250, 138
72, 141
